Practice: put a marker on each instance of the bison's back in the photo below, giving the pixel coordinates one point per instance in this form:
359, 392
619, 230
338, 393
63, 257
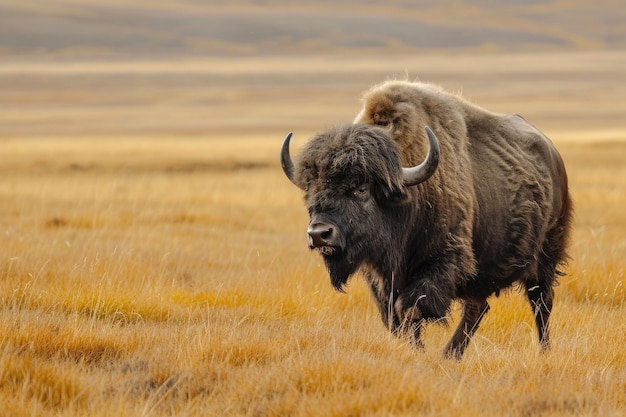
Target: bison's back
499, 195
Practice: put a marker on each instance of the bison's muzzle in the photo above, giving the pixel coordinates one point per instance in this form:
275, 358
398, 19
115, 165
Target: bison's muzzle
325, 236
321, 234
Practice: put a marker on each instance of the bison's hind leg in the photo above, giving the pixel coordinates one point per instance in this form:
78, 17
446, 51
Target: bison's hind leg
552, 256
473, 313
541, 297
540, 292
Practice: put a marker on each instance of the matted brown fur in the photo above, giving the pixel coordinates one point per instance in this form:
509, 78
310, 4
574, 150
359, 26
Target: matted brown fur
496, 211
404, 109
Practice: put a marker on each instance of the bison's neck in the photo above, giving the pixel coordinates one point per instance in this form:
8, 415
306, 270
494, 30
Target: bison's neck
429, 234
407, 244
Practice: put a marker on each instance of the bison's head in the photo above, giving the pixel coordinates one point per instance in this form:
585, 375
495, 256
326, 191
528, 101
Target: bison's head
357, 195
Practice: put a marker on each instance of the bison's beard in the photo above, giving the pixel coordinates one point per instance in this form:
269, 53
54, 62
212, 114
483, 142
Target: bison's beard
340, 267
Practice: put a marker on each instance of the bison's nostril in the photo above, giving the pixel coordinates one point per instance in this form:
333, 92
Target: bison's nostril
320, 234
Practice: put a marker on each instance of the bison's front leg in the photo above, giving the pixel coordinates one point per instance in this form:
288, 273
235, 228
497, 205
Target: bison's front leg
408, 321
428, 299
473, 312
399, 318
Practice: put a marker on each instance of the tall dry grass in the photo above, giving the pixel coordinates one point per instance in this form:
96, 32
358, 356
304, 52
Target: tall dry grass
146, 269
156, 285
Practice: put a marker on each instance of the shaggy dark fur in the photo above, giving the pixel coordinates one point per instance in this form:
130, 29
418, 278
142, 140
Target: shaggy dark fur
496, 212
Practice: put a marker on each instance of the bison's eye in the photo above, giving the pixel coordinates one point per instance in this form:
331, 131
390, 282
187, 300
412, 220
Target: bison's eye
362, 191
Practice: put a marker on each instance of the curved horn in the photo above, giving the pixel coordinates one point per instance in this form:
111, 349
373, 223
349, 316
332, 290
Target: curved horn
420, 173
285, 159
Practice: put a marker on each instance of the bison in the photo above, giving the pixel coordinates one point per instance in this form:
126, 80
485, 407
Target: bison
484, 206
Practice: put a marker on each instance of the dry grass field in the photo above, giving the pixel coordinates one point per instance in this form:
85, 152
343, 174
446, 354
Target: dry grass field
153, 258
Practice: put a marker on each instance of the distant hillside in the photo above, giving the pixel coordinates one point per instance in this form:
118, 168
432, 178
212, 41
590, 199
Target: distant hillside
101, 28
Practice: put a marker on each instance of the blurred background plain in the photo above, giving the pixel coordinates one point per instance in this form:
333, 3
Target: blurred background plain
211, 68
